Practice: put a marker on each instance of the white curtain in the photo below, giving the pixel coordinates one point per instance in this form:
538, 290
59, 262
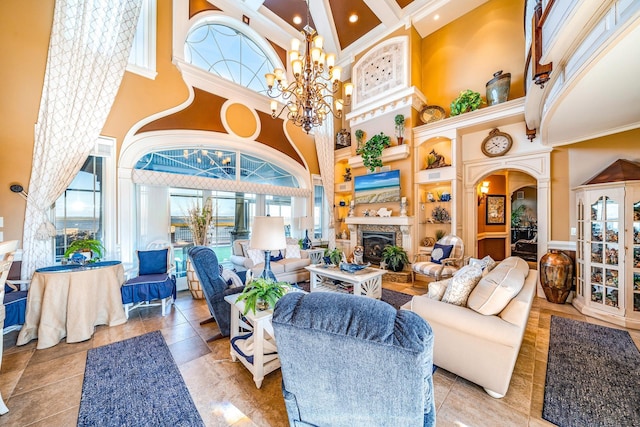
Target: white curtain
324, 148
88, 52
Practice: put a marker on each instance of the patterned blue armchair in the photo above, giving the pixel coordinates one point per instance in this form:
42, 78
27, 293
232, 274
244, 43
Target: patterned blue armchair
353, 361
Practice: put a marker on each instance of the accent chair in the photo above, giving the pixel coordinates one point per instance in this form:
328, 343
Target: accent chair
7, 251
447, 257
353, 361
214, 287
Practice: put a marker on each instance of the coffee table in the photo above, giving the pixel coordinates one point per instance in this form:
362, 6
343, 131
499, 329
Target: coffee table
366, 282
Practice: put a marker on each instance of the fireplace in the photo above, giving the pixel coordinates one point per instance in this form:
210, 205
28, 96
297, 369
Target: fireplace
374, 242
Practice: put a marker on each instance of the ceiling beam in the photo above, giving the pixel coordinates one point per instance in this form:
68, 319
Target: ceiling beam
387, 11
323, 20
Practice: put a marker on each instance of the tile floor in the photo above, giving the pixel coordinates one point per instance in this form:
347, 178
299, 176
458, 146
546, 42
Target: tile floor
42, 387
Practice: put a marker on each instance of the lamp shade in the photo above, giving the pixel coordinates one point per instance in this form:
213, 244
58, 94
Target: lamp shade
268, 233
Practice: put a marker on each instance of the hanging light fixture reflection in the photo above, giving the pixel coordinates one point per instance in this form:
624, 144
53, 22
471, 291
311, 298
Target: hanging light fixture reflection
309, 99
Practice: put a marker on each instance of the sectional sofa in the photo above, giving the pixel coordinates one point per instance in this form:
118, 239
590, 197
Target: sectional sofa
288, 264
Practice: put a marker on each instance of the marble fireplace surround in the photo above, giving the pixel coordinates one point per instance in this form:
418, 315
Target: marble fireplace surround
400, 224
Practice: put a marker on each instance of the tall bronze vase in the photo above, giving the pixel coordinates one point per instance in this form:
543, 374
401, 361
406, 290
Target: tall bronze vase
556, 272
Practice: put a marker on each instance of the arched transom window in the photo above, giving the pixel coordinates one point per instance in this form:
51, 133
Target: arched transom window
229, 54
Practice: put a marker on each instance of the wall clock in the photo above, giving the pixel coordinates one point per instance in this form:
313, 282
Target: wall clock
496, 143
432, 113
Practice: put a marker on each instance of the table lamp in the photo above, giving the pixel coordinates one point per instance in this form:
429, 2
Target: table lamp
267, 234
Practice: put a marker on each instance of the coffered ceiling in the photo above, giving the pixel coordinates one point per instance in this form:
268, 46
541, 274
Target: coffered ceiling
331, 18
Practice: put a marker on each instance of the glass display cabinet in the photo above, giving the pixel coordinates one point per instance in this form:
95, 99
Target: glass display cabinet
608, 252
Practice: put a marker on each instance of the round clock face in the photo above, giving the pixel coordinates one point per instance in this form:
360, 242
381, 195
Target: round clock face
496, 144
431, 113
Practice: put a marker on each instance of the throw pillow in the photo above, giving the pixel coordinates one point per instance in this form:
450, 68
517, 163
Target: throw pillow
245, 248
278, 257
486, 264
255, 255
462, 283
440, 252
152, 262
497, 289
231, 278
293, 251
437, 289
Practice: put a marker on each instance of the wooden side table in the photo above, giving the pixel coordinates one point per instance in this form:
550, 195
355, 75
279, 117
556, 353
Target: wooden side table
258, 353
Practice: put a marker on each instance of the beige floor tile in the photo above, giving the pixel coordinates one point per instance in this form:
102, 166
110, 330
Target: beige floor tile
68, 418
50, 372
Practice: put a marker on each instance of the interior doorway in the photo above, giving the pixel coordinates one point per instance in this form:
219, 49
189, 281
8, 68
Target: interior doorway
524, 223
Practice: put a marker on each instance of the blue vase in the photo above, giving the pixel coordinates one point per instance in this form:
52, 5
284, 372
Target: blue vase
306, 242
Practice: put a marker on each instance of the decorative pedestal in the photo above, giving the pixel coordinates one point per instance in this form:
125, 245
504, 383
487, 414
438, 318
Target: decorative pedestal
194, 283
556, 271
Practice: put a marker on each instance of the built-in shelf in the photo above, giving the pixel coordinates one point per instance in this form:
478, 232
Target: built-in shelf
397, 152
380, 220
427, 176
344, 187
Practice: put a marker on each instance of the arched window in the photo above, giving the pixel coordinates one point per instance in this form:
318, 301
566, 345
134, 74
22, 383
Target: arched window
228, 53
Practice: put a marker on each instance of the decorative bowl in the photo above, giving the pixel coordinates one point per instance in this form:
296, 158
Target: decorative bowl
352, 268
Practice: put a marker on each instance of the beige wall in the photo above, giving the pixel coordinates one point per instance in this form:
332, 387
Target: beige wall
465, 53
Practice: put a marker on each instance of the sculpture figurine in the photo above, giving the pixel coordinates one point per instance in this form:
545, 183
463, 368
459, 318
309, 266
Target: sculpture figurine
384, 212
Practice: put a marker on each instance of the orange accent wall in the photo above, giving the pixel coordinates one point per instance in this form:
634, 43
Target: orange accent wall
197, 6
272, 134
241, 120
465, 53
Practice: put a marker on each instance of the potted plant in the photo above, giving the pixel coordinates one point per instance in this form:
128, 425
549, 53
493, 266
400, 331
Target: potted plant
332, 256
399, 120
395, 257
199, 220
440, 234
95, 247
371, 151
468, 100
359, 137
262, 294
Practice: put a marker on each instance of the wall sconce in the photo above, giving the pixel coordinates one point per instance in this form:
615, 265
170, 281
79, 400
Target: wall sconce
484, 190
18, 189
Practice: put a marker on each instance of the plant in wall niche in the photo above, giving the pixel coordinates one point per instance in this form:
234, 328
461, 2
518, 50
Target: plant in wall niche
371, 151
395, 257
399, 120
440, 234
468, 100
359, 137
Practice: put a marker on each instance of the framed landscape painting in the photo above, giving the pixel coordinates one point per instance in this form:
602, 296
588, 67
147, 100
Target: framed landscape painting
495, 209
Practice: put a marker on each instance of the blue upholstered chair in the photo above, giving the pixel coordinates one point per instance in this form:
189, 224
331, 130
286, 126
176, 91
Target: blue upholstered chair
447, 257
7, 251
214, 287
353, 361
156, 280
15, 299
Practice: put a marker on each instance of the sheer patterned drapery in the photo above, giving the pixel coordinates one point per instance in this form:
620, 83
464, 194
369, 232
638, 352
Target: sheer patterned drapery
324, 148
88, 51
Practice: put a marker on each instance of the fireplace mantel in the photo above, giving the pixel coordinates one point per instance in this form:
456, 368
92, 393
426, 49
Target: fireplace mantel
379, 220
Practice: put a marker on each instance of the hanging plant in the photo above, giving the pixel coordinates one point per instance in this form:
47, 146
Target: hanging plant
371, 151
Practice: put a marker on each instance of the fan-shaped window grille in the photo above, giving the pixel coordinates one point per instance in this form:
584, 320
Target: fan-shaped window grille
228, 53
216, 164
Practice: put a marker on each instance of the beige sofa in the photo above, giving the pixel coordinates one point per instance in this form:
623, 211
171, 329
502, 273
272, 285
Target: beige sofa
291, 270
483, 348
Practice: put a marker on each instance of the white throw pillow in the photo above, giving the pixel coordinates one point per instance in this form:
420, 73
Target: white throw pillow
231, 277
255, 255
498, 288
437, 289
462, 283
486, 264
293, 251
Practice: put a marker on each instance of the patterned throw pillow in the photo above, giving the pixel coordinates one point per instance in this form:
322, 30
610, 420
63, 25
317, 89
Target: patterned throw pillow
437, 289
293, 251
486, 264
440, 252
462, 283
255, 255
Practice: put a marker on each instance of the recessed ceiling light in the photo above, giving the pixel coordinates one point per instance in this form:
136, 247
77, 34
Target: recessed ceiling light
436, 17
353, 18
297, 20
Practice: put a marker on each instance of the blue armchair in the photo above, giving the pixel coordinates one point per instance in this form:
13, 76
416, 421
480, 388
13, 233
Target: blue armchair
214, 287
370, 364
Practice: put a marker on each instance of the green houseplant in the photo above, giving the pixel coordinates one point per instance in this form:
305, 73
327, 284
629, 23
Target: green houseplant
359, 136
468, 100
262, 294
399, 121
86, 245
371, 151
333, 256
395, 257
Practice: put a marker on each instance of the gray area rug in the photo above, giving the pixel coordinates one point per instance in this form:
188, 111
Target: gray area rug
593, 376
396, 299
135, 382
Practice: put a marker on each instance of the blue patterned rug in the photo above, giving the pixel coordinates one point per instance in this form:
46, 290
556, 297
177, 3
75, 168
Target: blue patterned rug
135, 382
593, 376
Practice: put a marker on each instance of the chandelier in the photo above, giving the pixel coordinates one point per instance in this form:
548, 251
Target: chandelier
309, 99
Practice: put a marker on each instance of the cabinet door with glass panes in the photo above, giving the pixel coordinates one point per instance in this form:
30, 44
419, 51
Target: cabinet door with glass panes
633, 219
604, 237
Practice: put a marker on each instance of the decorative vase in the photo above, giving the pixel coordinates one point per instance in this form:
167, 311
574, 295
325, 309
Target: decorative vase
556, 271
262, 305
194, 282
397, 268
498, 88
306, 242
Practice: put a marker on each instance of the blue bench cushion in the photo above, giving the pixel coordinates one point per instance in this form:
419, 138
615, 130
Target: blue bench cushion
148, 287
15, 304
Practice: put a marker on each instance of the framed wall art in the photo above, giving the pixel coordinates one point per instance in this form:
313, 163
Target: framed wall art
495, 209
